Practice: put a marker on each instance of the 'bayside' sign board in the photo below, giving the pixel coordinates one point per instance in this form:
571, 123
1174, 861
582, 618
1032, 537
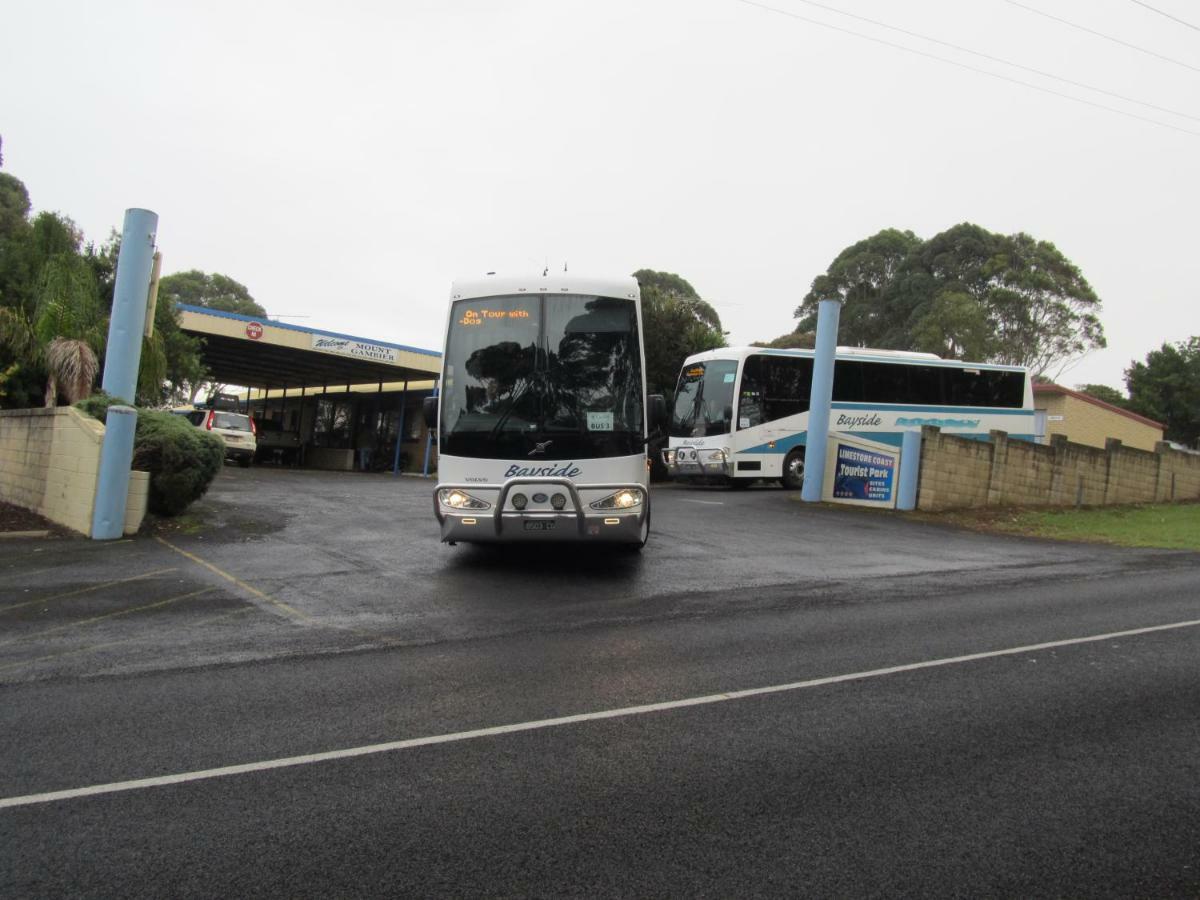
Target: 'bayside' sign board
860, 472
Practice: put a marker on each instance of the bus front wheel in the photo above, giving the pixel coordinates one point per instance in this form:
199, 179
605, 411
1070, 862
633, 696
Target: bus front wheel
793, 470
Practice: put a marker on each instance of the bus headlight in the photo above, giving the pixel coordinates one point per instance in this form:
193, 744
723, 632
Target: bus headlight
456, 499
626, 498
668, 457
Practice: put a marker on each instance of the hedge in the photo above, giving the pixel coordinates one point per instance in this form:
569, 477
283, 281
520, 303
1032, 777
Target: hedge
182, 460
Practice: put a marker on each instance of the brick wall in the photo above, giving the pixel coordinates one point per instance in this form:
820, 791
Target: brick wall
49, 461
959, 473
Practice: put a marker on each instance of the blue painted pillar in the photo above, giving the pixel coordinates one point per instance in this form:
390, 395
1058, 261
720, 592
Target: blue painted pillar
112, 485
124, 352
828, 314
910, 469
122, 358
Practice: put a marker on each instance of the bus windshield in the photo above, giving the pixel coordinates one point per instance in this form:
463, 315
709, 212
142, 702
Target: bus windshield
704, 399
542, 377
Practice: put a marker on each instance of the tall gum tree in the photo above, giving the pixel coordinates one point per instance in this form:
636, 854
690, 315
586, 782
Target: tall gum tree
966, 293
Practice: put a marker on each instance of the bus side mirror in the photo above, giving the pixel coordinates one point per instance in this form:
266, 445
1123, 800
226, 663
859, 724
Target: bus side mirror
430, 407
658, 411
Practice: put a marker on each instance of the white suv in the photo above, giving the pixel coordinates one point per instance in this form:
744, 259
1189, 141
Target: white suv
235, 429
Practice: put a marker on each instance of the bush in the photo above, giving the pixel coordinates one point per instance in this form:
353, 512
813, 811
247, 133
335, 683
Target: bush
182, 460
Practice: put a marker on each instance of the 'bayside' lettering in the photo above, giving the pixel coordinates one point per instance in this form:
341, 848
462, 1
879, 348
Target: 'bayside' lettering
569, 470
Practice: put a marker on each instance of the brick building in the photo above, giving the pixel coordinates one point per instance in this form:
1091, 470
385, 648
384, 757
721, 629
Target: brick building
1086, 420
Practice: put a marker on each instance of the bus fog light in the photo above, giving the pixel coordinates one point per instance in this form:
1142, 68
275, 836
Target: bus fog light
456, 499
558, 501
519, 501
627, 498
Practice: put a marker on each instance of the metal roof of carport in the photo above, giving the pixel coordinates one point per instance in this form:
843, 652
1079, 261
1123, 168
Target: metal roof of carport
293, 356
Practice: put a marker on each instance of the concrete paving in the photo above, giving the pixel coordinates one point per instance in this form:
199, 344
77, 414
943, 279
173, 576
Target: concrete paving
274, 562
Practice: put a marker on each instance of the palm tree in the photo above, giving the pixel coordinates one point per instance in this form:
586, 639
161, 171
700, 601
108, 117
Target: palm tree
72, 368
62, 331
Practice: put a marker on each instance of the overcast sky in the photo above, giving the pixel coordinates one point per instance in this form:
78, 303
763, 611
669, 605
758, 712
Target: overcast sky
347, 161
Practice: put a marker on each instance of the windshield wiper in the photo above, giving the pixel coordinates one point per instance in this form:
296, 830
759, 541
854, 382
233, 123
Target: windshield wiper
507, 414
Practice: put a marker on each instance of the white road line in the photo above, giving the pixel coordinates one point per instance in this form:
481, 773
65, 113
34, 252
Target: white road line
705, 502
667, 706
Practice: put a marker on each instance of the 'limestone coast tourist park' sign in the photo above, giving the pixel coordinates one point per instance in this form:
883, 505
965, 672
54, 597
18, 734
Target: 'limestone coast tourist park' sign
861, 472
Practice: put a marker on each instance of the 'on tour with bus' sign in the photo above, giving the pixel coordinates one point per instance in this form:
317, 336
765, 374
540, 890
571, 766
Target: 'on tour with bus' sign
860, 472
357, 349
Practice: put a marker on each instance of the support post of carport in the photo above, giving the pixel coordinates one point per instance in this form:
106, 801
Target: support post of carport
429, 437
399, 430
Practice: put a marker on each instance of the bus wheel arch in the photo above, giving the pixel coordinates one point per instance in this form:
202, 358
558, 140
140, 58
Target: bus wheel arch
793, 470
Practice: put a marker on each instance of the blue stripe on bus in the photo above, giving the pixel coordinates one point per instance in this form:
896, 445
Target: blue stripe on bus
935, 410
893, 438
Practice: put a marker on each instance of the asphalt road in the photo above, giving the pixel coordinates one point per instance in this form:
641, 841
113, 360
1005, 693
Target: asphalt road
587, 734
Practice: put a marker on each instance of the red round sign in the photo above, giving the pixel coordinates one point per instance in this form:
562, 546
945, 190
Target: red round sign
254, 330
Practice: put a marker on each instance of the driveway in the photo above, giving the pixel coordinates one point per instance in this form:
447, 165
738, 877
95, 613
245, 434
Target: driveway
273, 563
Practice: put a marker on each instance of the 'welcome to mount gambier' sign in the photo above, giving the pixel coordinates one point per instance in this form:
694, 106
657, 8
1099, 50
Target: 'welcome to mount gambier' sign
357, 349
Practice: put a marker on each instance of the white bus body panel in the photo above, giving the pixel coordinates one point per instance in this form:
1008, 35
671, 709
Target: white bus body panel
581, 481
726, 455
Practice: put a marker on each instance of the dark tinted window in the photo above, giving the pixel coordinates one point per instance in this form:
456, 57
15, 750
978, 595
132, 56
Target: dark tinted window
773, 387
704, 399
550, 377
847, 381
984, 387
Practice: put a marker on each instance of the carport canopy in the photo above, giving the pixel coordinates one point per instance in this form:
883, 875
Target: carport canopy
263, 353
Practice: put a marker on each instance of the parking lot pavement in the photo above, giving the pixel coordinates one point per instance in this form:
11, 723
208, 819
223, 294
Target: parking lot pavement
71, 607
275, 562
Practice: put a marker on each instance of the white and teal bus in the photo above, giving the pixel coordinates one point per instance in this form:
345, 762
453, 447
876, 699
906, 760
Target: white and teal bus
542, 415
741, 413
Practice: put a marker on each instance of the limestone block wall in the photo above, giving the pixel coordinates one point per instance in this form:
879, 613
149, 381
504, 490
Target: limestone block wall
958, 473
49, 462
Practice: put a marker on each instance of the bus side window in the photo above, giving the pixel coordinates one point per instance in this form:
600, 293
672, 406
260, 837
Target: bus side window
750, 400
847, 381
924, 385
786, 384
884, 382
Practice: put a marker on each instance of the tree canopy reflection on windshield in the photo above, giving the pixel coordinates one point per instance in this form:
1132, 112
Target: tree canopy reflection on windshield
704, 399
543, 377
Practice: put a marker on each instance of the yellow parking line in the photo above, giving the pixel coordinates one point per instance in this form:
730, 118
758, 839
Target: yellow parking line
111, 615
106, 645
94, 587
266, 598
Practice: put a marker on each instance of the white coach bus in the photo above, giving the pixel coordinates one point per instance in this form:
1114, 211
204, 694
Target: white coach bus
542, 415
741, 413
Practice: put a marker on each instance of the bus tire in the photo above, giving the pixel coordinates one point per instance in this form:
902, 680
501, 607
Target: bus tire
793, 470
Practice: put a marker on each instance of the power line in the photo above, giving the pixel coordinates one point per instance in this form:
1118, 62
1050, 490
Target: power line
969, 68
988, 56
1167, 14
1107, 37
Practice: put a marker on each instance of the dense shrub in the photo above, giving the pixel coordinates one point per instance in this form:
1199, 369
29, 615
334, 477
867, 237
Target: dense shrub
182, 460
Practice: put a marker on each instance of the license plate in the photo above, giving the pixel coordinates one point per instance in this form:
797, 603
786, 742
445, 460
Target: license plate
540, 526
